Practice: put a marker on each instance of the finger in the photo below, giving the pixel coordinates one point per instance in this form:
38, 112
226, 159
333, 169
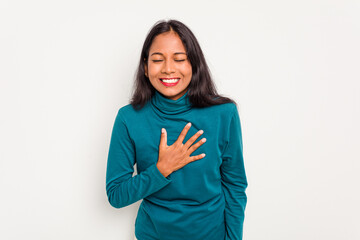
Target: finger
196, 145
183, 133
163, 138
197, 157
193, 139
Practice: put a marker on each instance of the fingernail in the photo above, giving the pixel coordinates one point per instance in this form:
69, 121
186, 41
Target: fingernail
189, 124
201, 131
204, 140
163, 130
203, 154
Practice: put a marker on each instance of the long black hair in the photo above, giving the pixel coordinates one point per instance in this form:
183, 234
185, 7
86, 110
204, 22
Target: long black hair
201, 90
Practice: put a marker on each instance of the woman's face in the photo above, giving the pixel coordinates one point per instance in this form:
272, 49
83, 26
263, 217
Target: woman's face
168, 60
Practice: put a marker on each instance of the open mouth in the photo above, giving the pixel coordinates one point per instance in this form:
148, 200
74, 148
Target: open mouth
169, 80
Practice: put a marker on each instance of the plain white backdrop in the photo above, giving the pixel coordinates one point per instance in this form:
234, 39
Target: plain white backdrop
66, 67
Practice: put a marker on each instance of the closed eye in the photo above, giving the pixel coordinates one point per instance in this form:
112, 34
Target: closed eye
175, 60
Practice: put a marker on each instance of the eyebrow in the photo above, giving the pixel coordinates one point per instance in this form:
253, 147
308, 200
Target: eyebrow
163, 54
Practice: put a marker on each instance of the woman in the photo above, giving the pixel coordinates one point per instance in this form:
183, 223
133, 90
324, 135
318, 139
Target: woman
186, 195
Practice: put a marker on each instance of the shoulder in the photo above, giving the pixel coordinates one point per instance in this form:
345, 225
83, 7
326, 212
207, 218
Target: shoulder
226, 110
229, 108
128, 113
127, 109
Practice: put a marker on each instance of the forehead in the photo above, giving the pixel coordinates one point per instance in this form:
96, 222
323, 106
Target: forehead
168, 42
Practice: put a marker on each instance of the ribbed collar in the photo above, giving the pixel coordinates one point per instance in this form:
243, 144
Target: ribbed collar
169, 106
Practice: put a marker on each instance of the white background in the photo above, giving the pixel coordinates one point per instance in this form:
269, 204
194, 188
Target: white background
66, 67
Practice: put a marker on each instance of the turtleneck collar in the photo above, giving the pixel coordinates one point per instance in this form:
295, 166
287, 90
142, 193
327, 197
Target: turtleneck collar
169, 106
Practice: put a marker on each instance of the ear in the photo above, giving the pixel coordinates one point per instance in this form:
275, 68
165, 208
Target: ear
145, 68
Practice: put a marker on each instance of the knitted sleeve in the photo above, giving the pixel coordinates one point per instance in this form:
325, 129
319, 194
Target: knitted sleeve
234, 182
122, 188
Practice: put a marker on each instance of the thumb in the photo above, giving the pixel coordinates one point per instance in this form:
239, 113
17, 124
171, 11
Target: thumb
163, 138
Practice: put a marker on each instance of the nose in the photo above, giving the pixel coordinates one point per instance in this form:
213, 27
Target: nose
168, 67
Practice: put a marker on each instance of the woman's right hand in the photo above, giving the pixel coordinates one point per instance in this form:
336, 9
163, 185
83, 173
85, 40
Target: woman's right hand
176, 156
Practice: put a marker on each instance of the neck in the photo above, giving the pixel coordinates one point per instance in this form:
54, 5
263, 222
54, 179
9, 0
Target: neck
164, 105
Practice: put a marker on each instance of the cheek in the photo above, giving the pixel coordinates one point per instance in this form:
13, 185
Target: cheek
154, 69
187, 71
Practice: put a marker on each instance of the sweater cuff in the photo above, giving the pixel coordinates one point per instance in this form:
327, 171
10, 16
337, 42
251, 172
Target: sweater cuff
159, 178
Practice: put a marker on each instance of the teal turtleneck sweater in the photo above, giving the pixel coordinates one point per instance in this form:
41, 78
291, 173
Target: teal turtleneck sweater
204, 200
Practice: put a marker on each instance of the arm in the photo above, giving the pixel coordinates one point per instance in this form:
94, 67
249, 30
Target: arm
121, 187
234, 180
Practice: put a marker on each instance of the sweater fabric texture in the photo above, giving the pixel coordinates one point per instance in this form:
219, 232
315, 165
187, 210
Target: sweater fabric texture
205, 199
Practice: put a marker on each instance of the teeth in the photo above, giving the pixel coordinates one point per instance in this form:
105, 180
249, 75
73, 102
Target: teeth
170, 80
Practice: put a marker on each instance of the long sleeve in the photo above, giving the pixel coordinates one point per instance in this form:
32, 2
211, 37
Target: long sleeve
121, 187
234, 182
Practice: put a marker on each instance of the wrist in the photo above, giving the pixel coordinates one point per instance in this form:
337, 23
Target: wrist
162, 170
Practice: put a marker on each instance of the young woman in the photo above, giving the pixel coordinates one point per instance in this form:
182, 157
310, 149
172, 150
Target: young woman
186, 194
